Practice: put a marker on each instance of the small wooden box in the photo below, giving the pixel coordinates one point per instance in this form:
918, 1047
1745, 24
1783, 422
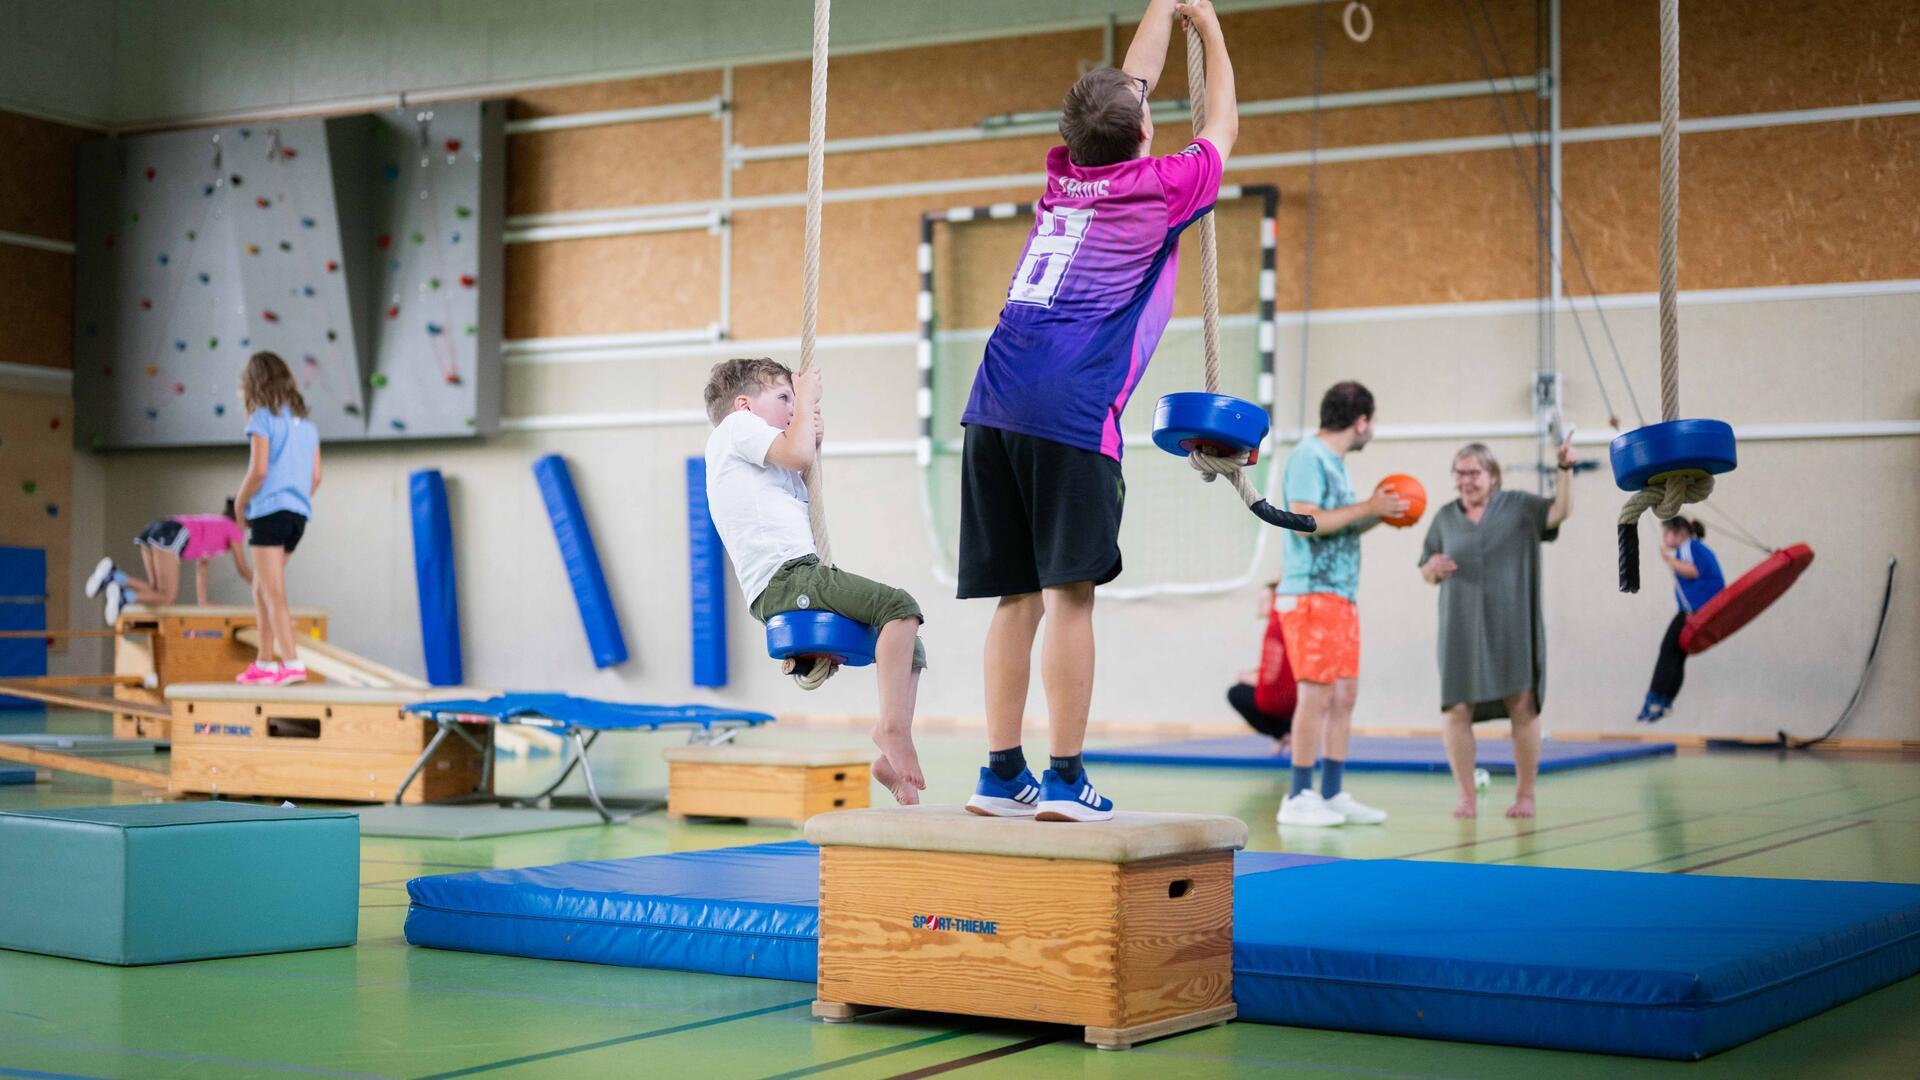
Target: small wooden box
1122, 927
353, 744
773, 783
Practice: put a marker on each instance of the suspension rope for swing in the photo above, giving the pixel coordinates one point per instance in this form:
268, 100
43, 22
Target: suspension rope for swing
810, 270
1204, 456
1672, 463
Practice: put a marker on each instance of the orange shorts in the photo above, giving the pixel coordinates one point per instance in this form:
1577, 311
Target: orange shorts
1322, 632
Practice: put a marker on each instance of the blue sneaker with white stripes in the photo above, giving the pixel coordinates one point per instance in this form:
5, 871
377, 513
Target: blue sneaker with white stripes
1061, 801
994, 797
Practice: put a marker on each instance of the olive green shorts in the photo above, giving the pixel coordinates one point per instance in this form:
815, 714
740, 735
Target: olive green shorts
803, 584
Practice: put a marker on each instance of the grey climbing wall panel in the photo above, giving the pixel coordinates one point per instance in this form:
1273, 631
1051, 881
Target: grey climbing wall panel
364, 250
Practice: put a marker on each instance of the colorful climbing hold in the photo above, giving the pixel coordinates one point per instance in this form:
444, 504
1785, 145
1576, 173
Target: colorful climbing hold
331, 335
244, 342
393, 312
270, 315
213, 343
467, 280
433, 329
286, 245
52, 510
246, 133
306, 223
462, 212
146, 304
453, 239
352, 409
398, 425
311, 360
289, 153
53, 423
418, 237
149, 172
453, 146
192, 236
472, 330
306, 290
179, 388
161, 258
253, 249
179, 346
204, 277
219, 409
392, 171
207, 191
377, 380
384, 241
332, 267
234, 180
262, 202
153, 414
433, 283
154, 369
29, 487
453, 378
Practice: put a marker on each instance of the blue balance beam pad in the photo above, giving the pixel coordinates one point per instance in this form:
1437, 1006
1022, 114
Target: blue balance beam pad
1654, 965
154, 883
751, 910
11, 775
1631, 963
1372, 753
434, 578
582, 560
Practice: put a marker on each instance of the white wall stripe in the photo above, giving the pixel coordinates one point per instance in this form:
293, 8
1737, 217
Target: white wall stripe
40, 243
608, 117
35, 379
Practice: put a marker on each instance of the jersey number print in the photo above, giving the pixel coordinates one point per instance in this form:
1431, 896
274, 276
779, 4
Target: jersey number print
1048, 256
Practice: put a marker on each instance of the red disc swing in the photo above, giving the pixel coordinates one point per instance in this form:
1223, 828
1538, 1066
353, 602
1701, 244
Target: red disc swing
1736, 605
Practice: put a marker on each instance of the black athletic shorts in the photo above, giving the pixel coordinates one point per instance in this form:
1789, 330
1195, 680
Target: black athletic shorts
163, 534
1035, 514
281, 529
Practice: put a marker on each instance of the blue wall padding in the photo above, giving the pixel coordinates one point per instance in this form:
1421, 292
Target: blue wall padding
608, 645
23, 606
433, 574
707, 589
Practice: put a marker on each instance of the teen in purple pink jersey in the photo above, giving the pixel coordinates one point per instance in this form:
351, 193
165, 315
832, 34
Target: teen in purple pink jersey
1041, 489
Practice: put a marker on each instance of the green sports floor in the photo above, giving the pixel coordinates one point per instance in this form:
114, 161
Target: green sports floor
384, 1009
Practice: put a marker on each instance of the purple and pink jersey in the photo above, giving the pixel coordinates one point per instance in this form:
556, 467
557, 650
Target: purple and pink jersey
1092, 296
208, 535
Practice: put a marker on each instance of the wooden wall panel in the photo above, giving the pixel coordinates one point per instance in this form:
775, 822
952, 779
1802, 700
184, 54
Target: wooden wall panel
616, 94
1414, 42
665, 161
38, 176
1737, 57
36, 307
610, 285
1767, 206
36, 487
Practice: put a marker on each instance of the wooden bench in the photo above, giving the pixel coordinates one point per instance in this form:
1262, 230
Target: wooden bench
1123, 927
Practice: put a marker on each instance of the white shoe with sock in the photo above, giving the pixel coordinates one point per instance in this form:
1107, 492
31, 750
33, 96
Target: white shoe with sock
1309, 809
1355, 811
102, 573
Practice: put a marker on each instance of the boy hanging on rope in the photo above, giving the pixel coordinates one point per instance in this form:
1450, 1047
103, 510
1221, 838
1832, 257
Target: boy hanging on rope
1041, 490
766, 431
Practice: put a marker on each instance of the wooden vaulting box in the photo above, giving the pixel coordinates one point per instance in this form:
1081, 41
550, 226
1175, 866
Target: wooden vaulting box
771, 783
350, 743
1122, 927
186, 643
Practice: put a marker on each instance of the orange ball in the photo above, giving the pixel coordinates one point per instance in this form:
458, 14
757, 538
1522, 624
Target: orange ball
1409, 489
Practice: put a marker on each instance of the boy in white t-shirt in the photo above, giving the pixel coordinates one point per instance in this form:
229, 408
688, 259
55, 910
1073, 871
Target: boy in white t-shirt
766, 432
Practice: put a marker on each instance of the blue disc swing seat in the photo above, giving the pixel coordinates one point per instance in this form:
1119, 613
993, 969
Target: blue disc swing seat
1654, 455
1217, 424
792, 635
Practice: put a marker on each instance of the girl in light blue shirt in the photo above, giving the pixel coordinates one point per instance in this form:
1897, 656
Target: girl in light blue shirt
274, 503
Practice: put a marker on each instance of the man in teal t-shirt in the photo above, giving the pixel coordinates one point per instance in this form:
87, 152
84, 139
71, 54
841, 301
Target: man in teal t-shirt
1317, 598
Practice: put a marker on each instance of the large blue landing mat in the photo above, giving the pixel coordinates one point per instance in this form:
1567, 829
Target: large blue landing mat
1372, 753
731, 911
1655, 965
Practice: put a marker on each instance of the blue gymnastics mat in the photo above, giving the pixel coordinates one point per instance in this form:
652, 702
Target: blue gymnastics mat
1372, 753
750, 910
1654, 965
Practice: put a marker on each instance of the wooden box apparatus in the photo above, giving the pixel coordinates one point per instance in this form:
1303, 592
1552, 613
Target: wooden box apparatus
348, 743
180, 643
773, 783
1123, 927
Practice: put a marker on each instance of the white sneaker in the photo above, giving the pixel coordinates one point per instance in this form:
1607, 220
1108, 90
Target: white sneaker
115, 598
1355, 811
1309, 809
102, 571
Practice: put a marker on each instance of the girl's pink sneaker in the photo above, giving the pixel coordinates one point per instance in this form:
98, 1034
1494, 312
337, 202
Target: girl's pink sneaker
290, 674
257, 674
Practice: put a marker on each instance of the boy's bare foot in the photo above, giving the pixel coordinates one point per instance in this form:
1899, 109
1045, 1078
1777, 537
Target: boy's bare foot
903, 793
1468, 807
897, 747
1521, 808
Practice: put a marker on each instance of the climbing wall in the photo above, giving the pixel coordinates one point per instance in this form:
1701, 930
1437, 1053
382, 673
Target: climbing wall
36, 488
364, 250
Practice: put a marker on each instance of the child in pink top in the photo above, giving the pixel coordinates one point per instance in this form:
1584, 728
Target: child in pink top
164, 544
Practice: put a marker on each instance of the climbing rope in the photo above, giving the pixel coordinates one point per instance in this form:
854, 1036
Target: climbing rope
810, 302
1207, 464
1666, 495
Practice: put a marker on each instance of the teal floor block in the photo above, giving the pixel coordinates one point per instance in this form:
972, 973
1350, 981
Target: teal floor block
161, 882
